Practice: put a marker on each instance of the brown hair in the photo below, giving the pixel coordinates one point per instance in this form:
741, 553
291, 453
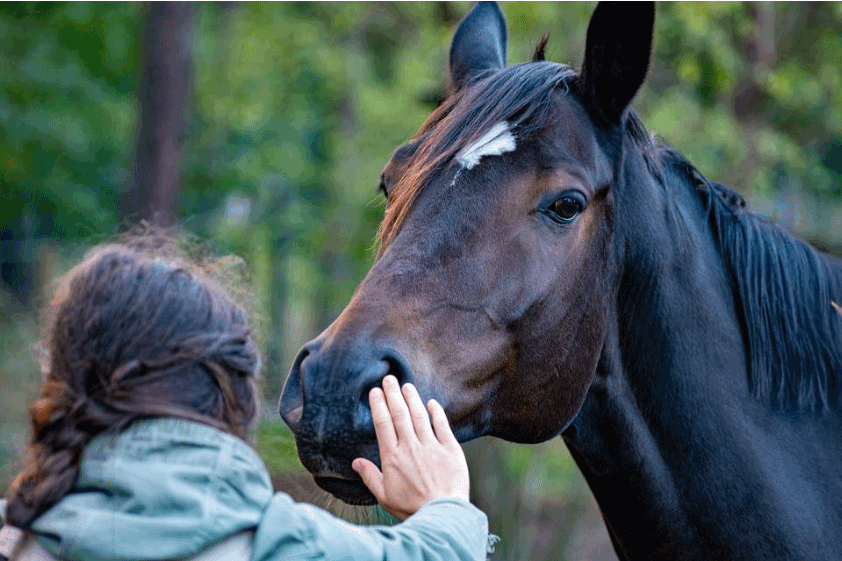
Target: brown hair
133, 335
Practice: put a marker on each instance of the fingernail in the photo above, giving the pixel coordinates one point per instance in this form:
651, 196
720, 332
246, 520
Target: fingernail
356, 465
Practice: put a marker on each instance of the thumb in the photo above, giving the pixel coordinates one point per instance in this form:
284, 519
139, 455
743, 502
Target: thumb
371, 476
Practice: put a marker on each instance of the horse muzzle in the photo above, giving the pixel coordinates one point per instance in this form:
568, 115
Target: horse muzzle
325, 404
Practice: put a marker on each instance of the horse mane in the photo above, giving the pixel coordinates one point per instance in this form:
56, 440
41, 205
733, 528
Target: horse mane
784, 291
522, 95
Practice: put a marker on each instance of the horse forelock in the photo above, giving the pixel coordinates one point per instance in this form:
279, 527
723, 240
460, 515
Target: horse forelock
520, 96
785, 291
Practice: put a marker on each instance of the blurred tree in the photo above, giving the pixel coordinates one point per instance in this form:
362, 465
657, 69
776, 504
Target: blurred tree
164, 93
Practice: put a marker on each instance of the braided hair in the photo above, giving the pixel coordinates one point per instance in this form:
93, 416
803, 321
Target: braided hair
131, 335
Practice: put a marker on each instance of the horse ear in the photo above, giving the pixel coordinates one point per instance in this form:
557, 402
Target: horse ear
478, 45
617, 53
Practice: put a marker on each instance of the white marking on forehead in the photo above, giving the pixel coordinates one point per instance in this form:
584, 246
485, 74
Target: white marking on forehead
495, 142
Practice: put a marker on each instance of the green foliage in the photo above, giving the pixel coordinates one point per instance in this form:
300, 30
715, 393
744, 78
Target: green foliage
276, 446
750, 93
67, 112
297, 106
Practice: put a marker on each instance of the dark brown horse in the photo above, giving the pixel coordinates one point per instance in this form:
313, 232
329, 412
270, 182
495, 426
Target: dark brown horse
546, 270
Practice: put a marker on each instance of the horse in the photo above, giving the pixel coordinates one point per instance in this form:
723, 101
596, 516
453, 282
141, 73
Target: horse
545, 268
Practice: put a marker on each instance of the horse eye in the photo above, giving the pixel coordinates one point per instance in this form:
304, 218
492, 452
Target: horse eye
566, 208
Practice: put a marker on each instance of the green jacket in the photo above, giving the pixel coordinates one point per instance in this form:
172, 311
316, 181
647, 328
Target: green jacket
168, 488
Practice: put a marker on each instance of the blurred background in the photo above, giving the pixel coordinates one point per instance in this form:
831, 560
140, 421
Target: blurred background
262, 128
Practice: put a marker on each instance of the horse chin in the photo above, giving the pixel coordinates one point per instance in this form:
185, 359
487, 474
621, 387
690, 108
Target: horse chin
350, 491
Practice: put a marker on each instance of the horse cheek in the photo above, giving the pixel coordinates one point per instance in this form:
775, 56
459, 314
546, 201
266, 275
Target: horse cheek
580, 336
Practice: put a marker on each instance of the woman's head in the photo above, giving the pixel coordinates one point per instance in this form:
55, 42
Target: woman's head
131, 335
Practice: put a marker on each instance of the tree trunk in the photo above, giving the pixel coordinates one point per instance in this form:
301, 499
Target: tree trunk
164, 95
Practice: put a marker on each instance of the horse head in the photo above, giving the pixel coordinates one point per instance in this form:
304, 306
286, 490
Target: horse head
497, 268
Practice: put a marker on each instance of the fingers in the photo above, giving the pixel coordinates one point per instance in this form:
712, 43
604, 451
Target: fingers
441, 425
372, 477
398, 409
387, 439
418, 414
420, 461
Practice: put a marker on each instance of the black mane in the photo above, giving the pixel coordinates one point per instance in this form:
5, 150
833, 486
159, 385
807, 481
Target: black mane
784, 290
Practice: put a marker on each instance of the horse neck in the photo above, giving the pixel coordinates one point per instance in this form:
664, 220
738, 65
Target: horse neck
669, 414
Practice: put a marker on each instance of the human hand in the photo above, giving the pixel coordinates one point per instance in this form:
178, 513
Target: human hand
418, 464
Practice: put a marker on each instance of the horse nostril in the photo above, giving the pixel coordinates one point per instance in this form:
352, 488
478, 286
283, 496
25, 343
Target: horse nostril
291, 406
399, 369
373, 375
371, 378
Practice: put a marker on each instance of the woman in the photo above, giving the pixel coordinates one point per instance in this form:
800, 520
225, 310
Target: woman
138, 448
